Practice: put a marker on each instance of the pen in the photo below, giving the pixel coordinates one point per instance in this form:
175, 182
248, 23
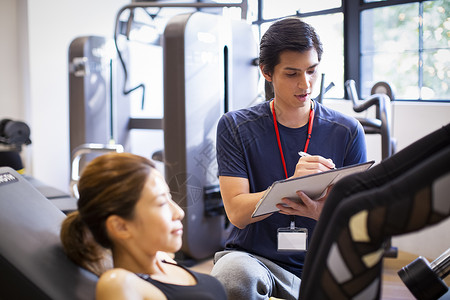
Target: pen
303, 154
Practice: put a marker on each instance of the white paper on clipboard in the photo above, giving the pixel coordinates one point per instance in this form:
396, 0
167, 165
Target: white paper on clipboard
314, 186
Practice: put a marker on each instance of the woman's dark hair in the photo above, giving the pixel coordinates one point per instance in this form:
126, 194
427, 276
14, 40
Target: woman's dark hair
287, 34
110, 184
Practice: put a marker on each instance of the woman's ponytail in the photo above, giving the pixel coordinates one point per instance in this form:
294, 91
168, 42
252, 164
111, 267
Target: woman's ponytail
81, 247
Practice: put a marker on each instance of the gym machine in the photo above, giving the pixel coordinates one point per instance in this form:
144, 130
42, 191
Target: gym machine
95, 124
13, 135
425, 279
209, 68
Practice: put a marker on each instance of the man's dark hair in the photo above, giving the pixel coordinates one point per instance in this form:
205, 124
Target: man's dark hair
287, 34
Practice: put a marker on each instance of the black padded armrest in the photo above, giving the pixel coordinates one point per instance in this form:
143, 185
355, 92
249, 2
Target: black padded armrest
65, 202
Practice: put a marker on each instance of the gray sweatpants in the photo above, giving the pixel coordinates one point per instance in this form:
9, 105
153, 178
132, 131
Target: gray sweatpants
247, 277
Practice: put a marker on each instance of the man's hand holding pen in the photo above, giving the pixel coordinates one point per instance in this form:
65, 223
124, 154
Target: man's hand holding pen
311, 164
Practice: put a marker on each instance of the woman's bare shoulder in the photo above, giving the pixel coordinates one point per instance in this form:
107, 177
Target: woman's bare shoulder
120, 284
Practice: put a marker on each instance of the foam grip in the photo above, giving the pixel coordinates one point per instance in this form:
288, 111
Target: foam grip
382, 88
2, 126
16, 132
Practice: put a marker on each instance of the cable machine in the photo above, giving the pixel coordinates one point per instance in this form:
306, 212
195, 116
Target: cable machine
209, 68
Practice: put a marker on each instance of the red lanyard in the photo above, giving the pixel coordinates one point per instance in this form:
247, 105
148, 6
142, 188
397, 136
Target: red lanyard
310, 125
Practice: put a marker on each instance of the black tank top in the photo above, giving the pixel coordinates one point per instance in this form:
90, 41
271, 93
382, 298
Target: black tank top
207, 287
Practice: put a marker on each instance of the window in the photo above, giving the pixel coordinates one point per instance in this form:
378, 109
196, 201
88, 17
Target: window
330, 29
276, 9
405, 43
407, 46
389, 49
327, 19
436, 50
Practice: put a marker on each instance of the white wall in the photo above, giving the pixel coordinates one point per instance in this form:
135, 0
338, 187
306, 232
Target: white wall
411, 122
34, 88
11, 104
13, 63
53, 24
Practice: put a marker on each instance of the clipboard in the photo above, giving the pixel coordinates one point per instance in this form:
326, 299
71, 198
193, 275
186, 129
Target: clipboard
314, 185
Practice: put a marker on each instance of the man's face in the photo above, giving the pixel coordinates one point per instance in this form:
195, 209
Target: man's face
294, 77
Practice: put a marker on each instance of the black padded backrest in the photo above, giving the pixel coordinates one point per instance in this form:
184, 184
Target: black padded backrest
32, 262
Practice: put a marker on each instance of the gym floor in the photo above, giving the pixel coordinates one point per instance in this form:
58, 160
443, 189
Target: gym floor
393, 287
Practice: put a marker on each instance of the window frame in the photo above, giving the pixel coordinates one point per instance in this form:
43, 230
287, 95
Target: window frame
352, 10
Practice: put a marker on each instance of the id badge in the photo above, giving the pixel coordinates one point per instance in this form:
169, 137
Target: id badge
292, 239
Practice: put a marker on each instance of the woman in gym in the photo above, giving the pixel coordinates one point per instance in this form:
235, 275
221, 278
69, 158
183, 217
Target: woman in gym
125, 212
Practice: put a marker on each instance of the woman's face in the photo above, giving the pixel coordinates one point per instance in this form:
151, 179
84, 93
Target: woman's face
156, 225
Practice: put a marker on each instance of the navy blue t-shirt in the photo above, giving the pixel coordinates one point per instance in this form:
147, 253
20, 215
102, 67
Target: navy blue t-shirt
247, 147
